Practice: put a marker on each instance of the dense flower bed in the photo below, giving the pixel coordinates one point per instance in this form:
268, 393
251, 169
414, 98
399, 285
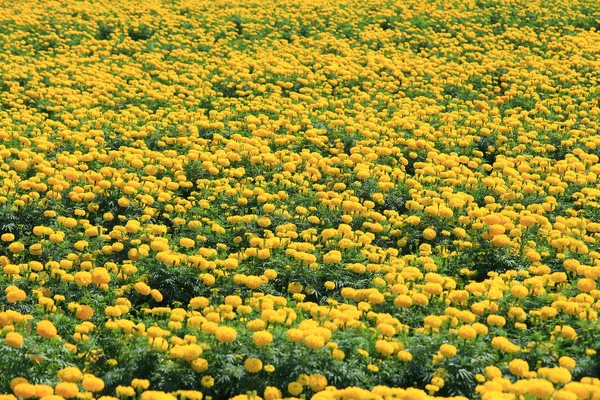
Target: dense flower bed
307, 199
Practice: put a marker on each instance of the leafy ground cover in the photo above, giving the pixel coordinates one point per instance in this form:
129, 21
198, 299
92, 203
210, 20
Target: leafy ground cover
299, 199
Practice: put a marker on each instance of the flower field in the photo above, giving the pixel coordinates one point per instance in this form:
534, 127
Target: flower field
299, 199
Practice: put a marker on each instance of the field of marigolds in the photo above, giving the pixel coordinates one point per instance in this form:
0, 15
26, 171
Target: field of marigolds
309, 199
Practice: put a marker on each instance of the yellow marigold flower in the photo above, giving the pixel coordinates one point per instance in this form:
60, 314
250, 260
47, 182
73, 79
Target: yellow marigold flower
46, 329
253, 365
373, 368
448, 350
272, 393
16, 247
294, 388
15, 381
405, 356
158, 344
492, 372
567, 362
295, 287
124, 202
557, 375
501, 241
386, 329
376, 298
518, 367
156, 395
433, 288
24, 390
100, 276
230, 263
92, 383
225, 334
253, 282
200, 365
429, 234
199, 302
317, 382
467, 332
269, 368
262, 338
295, 335
333, 257
539, 388
586, 285
142, 288
187, 243
83, 278
7, 237
70, 374
270, 274
568, 332
527, 220
314, 341
43, 391
384, 347
156, 295
140, 384
36, 249
190, 394
338, 354
496, 229
403, 301
502, 343
14, 339
67, 390
16, 295
125, 391
496, 320
207, 381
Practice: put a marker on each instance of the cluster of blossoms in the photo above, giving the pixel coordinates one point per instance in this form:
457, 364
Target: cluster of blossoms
299, 199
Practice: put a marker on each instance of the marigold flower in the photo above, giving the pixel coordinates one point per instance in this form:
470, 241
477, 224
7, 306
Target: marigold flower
272, 393
14, 339
262, 338
317, 382
200, 365
467, 332
16, 295
518, 367
333, 257
67, 390
70, 374
207, 381
125, 391
253, 365
142, 288
539, 388
140, 384
46, 329
567, 362
568, 332
429, 234
92, 383
501, 241
405, 356
225, 334
24, 390
403, 301
448, 350
384, 347
314, 341
294, 388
